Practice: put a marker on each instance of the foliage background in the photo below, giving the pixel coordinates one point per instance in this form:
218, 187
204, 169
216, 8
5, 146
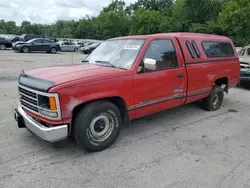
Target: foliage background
223, 17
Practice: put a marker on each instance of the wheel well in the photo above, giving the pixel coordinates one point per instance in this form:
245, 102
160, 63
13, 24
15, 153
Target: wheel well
118, 101
222, 81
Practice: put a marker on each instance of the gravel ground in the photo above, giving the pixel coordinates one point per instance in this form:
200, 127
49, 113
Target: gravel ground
181, 147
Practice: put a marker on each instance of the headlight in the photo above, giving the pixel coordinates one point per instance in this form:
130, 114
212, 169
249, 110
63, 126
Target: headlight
48, 103
48, 106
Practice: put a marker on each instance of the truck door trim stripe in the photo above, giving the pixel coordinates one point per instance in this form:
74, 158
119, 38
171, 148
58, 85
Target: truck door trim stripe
148, 103
198, 93
210, 61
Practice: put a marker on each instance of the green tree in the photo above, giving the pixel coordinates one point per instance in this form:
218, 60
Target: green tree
146, 21
110, 24
235, 17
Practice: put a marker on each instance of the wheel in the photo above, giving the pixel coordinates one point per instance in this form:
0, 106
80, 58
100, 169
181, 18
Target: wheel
25, 49
76, 50
214, 101
53, 50
2, 47
97, 126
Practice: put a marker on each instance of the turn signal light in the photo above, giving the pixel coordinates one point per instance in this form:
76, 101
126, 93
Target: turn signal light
52, 103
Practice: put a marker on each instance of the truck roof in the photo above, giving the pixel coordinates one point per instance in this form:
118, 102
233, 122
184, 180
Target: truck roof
178, 35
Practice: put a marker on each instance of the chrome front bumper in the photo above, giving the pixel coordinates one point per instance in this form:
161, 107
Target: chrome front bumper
50, 134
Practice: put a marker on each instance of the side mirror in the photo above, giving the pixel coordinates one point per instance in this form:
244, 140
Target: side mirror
149, 64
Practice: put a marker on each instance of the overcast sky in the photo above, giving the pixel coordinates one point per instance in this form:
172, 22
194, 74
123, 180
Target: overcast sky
48, 11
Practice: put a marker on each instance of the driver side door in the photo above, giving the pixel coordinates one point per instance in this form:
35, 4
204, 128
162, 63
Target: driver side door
164, 87
37, 45
64, 46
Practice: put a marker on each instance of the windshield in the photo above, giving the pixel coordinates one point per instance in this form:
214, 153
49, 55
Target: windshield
120, 53
241, 52
31, 40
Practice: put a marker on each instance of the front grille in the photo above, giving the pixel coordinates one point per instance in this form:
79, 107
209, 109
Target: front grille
28, 99
34, 101
245, 75
27, 105
27, 93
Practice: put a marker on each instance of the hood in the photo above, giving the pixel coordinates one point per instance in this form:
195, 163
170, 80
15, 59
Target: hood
19, 43
244, 59
66, 73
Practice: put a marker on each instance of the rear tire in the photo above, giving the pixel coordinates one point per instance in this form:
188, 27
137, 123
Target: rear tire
2, 47
97, 126
214, 101
76, 50
53, 50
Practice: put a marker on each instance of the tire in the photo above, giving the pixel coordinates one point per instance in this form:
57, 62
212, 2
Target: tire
214, 101
97, 126
2, 47
25, 50
76, 50
53, 50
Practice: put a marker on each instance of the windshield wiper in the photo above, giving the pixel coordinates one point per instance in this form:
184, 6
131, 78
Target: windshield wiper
109, 64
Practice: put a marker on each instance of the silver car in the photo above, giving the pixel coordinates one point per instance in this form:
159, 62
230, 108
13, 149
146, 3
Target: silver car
69, 47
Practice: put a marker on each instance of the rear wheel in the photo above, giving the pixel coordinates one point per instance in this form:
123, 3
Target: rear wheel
25, 49
76, 50
53, 50
2, 47
97, 125
214, 101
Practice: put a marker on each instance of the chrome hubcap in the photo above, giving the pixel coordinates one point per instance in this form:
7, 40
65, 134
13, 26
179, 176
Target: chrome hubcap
53, 50
25, 50
101, 127
216, 101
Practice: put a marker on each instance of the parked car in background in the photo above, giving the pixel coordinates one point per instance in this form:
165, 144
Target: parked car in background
69, 47
36, 45
238, 49
244, 57
27, 37
81, 44
89, 48
4, 43
11, 37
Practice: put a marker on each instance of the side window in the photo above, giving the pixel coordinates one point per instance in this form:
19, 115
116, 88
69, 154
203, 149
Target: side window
218, 49
38, 41
163, 52
196, 49
190, 49
47, 41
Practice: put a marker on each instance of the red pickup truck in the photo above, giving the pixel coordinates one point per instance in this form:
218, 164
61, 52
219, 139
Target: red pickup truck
123, 79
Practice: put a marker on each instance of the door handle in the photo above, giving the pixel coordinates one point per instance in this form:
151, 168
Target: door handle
180, 75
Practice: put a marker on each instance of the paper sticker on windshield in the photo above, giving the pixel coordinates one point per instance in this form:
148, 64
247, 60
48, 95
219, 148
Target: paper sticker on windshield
132, 47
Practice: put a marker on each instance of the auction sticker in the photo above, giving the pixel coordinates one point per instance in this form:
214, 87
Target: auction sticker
132, 47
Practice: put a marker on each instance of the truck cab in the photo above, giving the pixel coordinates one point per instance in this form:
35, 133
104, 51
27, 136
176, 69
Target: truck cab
123, 79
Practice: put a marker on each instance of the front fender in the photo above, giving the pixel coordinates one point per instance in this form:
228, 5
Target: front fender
73, 102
